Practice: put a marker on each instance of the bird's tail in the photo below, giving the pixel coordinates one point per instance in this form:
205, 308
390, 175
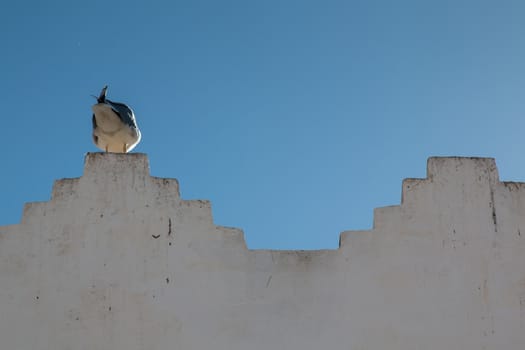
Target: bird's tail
102, 97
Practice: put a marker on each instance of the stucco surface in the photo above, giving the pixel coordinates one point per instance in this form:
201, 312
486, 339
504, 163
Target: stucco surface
117, 260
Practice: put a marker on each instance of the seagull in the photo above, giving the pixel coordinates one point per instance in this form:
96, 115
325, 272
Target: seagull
114, 126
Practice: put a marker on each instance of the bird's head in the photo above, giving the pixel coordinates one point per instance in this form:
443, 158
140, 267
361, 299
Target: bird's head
102, 97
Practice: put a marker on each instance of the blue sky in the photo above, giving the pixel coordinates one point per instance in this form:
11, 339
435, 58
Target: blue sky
295, 118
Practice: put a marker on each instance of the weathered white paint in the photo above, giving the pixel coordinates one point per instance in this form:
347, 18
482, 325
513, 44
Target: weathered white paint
117, 260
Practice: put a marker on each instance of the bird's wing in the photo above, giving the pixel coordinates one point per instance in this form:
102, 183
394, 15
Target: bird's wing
124, 112
94, 120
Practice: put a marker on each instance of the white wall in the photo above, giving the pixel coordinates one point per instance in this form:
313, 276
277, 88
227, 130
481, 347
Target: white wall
117, 260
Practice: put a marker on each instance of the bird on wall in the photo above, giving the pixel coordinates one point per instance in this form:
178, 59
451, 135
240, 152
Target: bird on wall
114, 126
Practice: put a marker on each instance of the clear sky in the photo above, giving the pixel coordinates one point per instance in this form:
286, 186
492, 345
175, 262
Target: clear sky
295, 118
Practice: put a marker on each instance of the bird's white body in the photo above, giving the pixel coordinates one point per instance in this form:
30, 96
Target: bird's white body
111, 134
